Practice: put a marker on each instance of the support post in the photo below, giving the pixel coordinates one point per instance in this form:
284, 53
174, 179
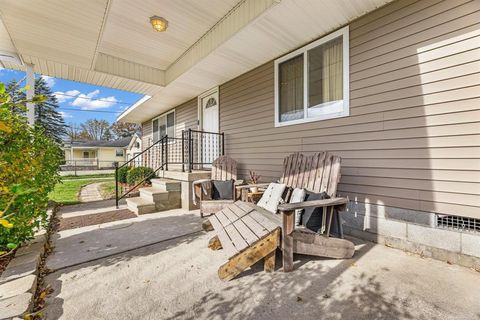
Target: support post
166, 152
223, 143
183, 150
30, 93
116, 183
287, 240
190, 151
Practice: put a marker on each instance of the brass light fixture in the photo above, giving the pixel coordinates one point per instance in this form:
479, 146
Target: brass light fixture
158, 23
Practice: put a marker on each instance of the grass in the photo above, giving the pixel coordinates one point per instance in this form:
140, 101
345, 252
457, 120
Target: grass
68, 190
107, 189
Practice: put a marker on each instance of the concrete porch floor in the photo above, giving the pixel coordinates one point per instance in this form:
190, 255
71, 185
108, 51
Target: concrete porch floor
158, 266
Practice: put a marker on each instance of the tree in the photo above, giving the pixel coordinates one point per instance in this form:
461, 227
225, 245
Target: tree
73, 131
122, 129
95, 129
47, 115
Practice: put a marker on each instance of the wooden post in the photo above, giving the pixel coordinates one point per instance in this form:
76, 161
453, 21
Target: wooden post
269, 262
287, 240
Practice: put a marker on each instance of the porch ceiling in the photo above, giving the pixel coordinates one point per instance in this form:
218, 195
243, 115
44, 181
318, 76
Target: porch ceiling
111, 43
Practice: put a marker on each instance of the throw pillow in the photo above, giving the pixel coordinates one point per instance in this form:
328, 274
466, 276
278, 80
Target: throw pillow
312, 217
222, 190
298, 195
271, 197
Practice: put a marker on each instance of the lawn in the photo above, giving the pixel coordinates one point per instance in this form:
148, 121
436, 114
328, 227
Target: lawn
90, 176
68, 190
107, 189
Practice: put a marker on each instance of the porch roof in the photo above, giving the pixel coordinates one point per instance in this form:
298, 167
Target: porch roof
208, 42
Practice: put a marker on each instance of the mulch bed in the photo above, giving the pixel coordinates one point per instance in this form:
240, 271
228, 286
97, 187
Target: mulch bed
4, 260
92, 219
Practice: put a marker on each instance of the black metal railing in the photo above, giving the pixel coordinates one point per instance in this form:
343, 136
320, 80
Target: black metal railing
193, 150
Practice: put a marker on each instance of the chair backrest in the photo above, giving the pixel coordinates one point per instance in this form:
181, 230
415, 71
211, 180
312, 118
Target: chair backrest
224, 168
317, 173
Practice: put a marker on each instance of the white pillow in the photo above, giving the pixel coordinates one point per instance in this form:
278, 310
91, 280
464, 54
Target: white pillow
271, 197
298, 195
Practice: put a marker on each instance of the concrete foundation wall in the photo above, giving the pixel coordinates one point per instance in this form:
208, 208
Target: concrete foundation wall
413, 231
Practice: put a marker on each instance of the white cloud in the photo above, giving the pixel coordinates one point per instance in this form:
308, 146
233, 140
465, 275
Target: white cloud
89, 102
65, 96
65, 114
49, 80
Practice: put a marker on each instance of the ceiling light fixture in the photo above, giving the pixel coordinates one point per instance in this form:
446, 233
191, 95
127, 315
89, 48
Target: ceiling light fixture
158, 23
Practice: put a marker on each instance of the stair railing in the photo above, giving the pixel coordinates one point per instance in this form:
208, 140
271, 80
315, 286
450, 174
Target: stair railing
194, 150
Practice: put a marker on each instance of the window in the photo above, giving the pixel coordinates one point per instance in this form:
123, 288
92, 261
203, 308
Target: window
137, 145
86, 154
312, 83
119, 152
163, 125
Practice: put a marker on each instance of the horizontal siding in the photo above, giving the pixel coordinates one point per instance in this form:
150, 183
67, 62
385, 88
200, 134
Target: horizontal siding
186, 117
413, 137
146, 134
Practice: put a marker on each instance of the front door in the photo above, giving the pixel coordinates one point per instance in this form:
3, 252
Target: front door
210, 141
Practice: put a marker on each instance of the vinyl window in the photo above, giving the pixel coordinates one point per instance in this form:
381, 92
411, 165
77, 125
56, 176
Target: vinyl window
163, 125
312, 83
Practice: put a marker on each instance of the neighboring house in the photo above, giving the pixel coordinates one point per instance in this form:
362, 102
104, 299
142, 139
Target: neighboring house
395, 93
99, 154
134, 148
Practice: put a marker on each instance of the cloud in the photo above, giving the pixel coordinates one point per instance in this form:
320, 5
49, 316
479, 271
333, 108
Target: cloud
65, 114
49, 80
89, 102
65, 96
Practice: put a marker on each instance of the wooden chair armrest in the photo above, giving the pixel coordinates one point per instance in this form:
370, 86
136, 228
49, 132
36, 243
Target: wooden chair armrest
286, 207
245, 186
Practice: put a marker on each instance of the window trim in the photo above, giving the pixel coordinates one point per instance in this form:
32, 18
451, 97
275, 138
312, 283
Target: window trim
174, 122
344, 32
119, 149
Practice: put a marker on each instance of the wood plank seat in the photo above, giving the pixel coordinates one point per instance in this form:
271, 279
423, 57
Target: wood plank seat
247, 236
249, 233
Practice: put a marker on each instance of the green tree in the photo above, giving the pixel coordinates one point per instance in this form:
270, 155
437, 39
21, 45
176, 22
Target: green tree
47, 115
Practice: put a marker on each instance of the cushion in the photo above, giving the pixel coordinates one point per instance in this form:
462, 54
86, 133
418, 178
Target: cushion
222, 190
312, 217
298, 195
287, 193
271, 197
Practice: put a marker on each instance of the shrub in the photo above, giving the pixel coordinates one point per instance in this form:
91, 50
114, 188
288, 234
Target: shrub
136, 175
29, 163
122, 174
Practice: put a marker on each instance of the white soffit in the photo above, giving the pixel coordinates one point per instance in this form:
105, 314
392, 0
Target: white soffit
284, 27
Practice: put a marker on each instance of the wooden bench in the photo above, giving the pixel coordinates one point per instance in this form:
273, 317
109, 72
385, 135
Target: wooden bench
249, 233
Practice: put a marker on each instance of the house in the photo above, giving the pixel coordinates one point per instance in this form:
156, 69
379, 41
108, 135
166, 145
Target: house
134, 148
97, 154
393, 87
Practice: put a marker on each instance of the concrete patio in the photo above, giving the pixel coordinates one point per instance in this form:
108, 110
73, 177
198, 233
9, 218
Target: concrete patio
158, 266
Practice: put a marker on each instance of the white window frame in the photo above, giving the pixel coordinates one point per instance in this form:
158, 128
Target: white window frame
174, 122
117, 151
344, 32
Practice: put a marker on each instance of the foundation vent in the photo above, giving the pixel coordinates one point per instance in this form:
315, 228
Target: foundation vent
457, 223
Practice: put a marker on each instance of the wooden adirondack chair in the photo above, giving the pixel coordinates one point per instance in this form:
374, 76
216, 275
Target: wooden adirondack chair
223, 168
250, 233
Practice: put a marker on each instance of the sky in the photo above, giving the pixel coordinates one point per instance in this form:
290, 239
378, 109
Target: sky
81, 101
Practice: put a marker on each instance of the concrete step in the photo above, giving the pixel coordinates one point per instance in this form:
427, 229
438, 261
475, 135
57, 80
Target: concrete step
154, 194
140, 205
166, 184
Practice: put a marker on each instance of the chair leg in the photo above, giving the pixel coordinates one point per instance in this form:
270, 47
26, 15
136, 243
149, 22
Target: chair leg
269, 263
287, 240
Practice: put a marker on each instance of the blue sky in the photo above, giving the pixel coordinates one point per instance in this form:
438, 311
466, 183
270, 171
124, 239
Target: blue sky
81, 101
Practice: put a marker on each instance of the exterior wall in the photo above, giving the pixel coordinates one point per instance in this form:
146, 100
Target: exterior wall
130, 153
186, 116
412, 139
106, 156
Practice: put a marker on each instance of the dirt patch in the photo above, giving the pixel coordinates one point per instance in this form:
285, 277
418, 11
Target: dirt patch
97, 218
4, 260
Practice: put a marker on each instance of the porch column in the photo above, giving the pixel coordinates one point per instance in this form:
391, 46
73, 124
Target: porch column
30, 93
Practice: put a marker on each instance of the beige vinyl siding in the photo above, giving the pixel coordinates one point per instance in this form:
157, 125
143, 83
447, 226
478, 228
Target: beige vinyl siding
186, 116
412, 139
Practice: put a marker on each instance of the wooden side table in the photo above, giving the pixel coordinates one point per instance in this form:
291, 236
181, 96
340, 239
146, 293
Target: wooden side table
253, 197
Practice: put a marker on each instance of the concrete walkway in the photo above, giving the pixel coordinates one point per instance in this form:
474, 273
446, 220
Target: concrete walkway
173, 275
91, 192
